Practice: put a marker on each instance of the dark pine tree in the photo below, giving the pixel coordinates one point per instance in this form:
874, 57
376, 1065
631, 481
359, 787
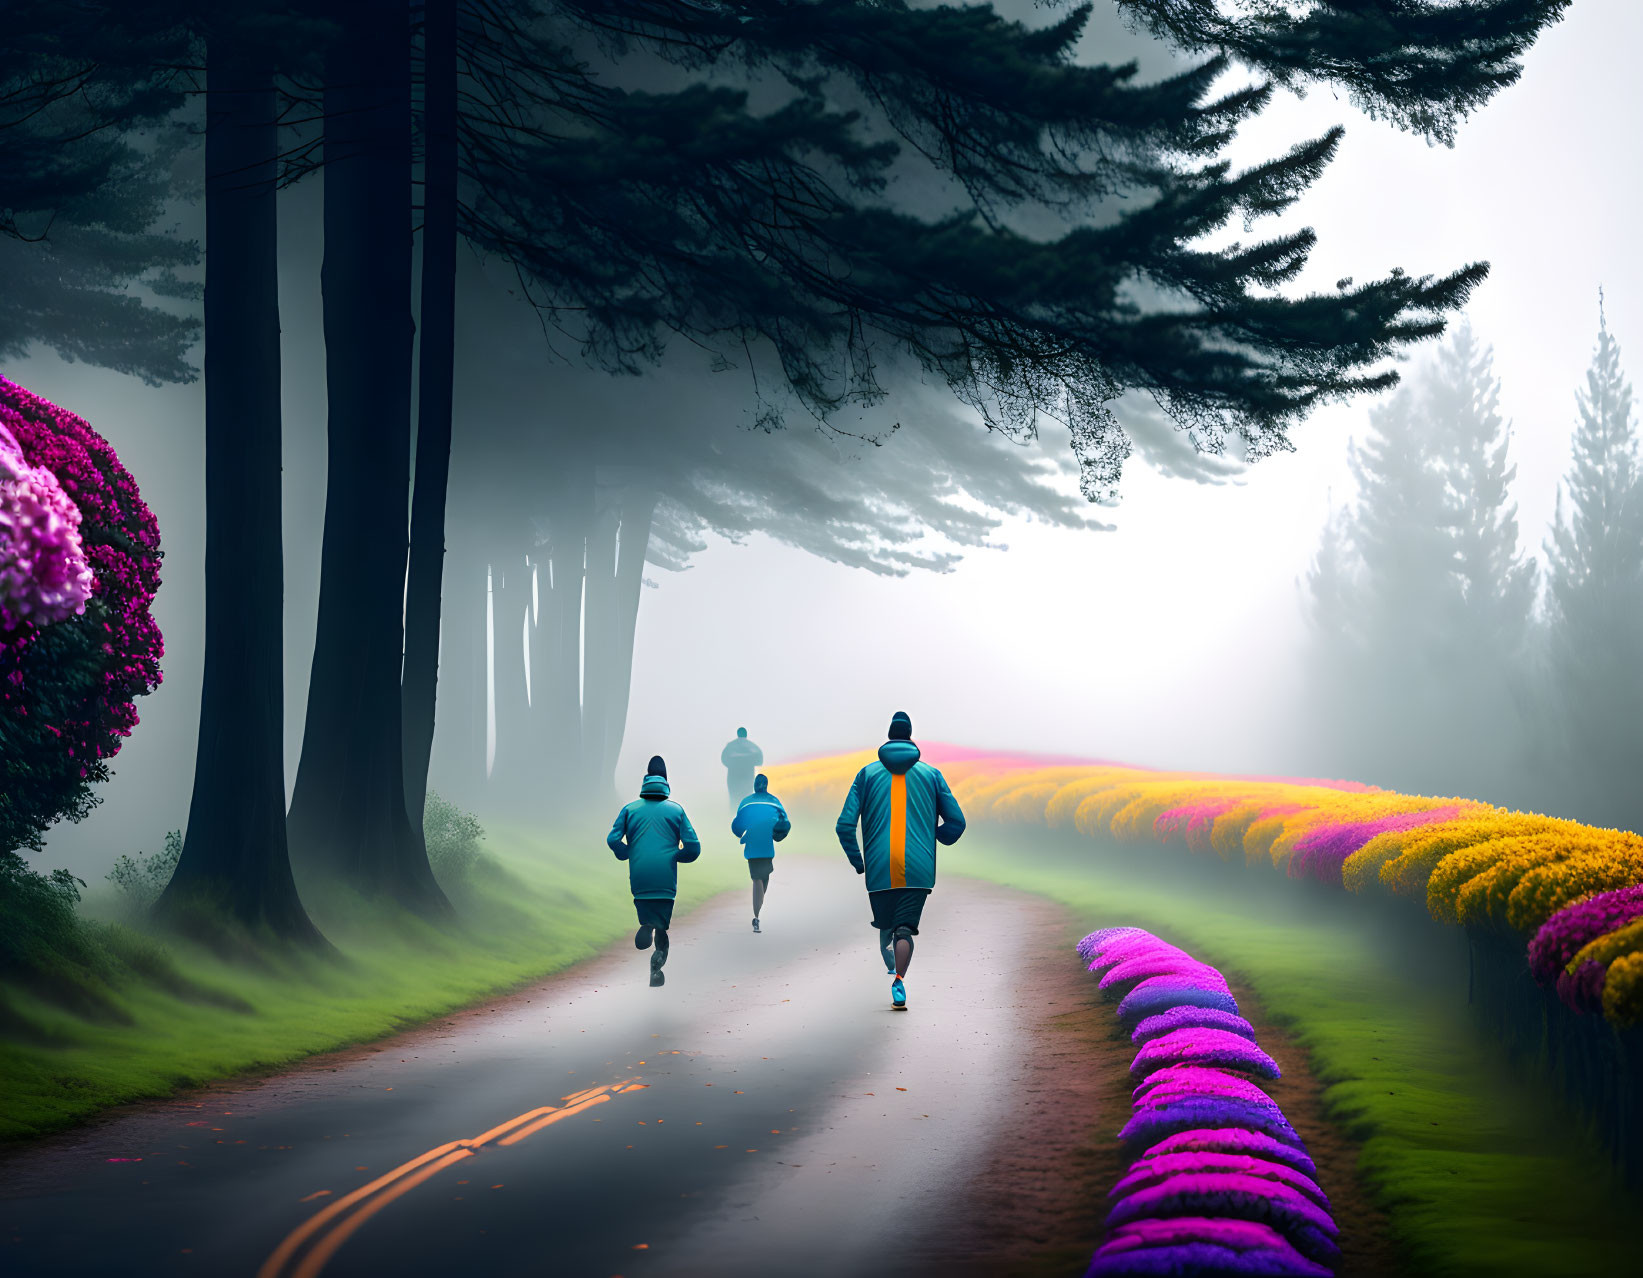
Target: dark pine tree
234, 858
436, 366
1595, 604
348, 814
773, 232
1421, 599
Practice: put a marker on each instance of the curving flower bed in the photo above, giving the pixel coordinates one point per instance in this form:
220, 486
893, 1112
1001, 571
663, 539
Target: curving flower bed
1543, 880
1220, 1184
78, 643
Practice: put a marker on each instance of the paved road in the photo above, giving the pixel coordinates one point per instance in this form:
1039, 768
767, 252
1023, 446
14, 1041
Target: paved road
765, 1112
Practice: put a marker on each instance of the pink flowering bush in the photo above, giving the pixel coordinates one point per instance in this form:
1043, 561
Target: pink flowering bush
1220, 1183
44, 576
70, 668
1200, 1245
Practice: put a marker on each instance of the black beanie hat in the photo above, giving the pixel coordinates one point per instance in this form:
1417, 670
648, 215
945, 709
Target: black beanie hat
656, 767
901, 727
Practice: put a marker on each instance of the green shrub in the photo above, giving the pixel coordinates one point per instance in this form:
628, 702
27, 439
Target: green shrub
452, 836
141, 881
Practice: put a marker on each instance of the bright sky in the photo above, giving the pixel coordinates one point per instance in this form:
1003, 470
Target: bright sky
1172, 641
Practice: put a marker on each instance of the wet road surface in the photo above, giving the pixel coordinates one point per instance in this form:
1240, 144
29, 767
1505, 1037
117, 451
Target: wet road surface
765, 1112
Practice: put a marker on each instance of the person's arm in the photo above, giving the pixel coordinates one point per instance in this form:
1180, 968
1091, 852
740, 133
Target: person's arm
616, 840
690, 847
724, 755
846, 825
783, 826
949, 816
738, 827
758, 754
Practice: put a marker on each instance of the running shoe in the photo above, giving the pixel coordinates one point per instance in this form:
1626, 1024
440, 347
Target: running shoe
755, 925
898, 995
641, 938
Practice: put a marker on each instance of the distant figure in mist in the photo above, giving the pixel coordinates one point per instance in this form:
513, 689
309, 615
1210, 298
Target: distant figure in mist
741, 759
653, 835
905, 809
761, 823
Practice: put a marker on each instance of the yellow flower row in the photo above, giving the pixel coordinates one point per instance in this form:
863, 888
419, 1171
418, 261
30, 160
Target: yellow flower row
1473, 862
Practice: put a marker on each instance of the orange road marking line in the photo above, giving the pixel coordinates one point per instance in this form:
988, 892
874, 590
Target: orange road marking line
327, 1246
550, 1119
412, 1173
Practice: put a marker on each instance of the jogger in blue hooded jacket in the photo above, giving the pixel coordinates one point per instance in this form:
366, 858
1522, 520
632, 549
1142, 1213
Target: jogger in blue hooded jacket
905, 808
761, 823
653, 835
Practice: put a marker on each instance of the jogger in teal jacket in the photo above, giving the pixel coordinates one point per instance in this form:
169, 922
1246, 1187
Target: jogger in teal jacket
653, 835
761, 823
905, 808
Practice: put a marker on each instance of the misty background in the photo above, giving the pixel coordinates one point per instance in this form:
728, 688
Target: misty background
1172, 630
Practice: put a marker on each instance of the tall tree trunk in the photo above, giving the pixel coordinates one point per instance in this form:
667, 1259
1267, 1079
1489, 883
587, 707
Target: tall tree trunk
457, 768
419, 690
600, 641
558, 713
235, 855
513, 783
348, 812
638, 510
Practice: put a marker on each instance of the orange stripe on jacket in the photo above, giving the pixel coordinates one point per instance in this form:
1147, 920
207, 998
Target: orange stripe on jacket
898, 829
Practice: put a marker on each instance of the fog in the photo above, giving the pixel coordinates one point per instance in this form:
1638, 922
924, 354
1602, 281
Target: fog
1170, 632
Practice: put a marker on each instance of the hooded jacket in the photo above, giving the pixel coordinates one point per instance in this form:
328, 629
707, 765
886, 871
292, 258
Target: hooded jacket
905, 809
761, 822
653, 834
741, 759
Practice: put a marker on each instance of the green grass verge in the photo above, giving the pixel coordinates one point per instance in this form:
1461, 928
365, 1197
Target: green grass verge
170, 1015
1480, 1172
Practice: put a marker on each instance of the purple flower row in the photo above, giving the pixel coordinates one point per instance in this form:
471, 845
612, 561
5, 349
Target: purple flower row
1221, 1183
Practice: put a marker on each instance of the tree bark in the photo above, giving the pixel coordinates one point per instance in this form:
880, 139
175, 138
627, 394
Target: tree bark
420, 685
348, 814
235, 854
457, 767
601, 627
638, 510
511, 784
558, 713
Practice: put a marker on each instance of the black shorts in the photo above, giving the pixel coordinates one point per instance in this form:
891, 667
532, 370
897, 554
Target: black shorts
760, 867
898, 907
654, 912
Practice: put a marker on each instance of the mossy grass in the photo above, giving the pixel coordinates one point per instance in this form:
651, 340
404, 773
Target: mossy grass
1480, 1171
136, 1015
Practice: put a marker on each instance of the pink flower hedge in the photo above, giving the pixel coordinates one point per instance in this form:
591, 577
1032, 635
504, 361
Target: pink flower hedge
70, 669
1220, 1184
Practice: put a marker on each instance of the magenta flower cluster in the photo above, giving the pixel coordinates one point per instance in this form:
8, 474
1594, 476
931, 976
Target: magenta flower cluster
1321, 853
1576, 926
120, 544
1221, 1184
44, 576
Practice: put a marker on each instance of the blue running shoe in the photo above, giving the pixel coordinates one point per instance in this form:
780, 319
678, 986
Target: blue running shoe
898, 995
